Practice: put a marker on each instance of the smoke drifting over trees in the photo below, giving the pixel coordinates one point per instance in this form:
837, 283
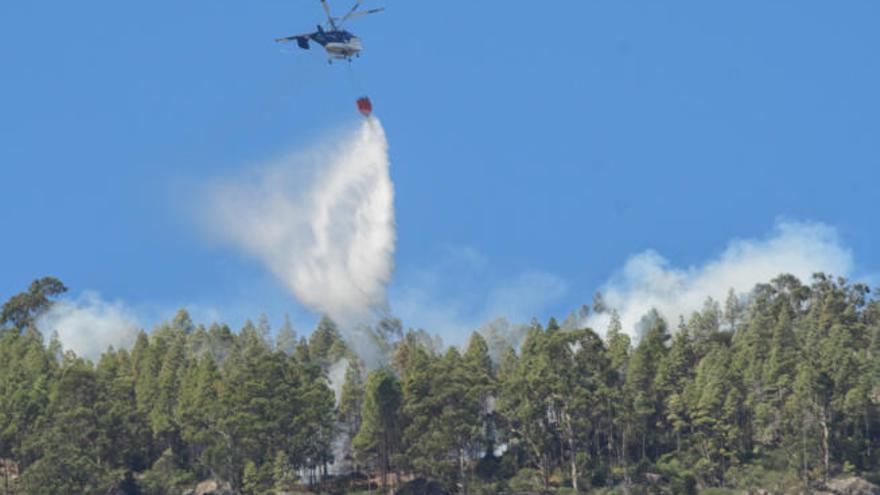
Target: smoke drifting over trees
88, 325
648, 281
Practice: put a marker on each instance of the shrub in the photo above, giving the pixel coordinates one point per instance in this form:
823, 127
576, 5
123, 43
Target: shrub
526, 480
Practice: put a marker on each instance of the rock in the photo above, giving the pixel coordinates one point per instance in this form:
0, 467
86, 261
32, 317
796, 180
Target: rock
211, 487
8, 468
852, 486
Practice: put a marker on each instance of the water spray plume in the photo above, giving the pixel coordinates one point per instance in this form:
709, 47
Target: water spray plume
321, 221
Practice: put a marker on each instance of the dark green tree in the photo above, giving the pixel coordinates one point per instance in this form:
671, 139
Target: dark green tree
22, 310
380, 434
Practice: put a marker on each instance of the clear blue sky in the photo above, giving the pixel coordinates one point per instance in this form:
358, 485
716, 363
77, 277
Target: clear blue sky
561, 137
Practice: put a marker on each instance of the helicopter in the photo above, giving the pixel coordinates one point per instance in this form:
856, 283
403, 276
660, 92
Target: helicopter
339, 43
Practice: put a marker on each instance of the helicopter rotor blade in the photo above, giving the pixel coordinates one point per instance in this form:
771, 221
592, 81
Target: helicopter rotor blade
352, 15
329, 16
357, 5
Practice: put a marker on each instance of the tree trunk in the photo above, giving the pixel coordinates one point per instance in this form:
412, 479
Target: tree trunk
804, 453
569, 432
677, 440
623, 463
610, 434
545, 470
826, 455
644, 444
461, 471
384, 461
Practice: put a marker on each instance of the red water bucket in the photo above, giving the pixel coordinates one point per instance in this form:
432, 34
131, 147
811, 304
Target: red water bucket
365, 106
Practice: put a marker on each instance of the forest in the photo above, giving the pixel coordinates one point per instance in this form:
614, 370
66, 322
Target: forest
777, 389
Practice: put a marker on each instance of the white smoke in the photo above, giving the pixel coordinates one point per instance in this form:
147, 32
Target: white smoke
89, 325
336, 377
341, 444
456, 296
321, 221
648, 281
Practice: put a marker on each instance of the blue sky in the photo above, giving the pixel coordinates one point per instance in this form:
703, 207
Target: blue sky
529, 142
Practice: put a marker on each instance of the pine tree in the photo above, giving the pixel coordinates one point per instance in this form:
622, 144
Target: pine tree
421, 409
286, 340
22, 310
733, 311
198, 412
283, 474
351, 400
481, 392
647, 401
162, 417
380, 433
124, 433
715, 401
523, 402
324, 343
778, 376
69, 459
674, 375
618, 397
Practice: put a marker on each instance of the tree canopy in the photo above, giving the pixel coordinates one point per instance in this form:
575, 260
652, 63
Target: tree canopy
779, 389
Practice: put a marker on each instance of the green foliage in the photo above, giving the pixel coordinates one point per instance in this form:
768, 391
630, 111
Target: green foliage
527, 480
679, 478
325, 344
185, 404
779, 391
446, 410
68, 457
164, 477
23, 309
286, 339
379, 437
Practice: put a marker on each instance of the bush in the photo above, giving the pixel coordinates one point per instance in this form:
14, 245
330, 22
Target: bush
491, 488
526, 480
421, 486
164, 477
678, 476
755, 476
488, 468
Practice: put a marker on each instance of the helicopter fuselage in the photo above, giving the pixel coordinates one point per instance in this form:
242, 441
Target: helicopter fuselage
340, 44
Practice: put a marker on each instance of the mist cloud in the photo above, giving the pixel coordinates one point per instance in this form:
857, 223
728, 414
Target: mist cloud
648, 280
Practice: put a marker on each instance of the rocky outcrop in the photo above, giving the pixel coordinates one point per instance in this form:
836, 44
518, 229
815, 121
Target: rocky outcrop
852, 486
8, 468
211, 487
